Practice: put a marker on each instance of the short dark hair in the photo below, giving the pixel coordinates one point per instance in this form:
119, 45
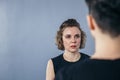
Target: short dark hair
66, 24
106, 14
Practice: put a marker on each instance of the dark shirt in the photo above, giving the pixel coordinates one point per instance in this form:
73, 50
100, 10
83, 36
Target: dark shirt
59, 62
91, 69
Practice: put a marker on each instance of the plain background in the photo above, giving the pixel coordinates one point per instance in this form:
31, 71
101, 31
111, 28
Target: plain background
27, 35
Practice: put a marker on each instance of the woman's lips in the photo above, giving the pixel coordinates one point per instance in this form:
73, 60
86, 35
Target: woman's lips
73, 46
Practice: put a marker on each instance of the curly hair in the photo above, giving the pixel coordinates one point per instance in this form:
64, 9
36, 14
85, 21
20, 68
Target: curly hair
64, 25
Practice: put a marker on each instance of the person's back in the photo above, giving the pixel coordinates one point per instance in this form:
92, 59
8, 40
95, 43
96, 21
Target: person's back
92, 69
104, 25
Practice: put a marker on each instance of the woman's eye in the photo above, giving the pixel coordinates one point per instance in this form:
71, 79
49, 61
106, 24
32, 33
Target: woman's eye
77, 36
67, 36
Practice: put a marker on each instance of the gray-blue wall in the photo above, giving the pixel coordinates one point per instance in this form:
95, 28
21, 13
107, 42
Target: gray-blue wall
27, 35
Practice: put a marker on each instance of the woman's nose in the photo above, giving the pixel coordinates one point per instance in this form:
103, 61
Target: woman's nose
73, 39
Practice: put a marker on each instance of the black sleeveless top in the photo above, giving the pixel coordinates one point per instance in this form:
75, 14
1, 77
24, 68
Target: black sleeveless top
91, 69
59, 62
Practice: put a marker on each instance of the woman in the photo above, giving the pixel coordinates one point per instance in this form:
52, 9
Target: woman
70, 38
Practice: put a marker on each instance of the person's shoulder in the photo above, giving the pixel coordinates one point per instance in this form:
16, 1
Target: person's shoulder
57, 58
84, 55
89, 67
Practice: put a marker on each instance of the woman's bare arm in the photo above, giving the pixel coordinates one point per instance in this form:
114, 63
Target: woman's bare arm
50, 75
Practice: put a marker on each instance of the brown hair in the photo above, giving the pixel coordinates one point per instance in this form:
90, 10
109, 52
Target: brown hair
65, 24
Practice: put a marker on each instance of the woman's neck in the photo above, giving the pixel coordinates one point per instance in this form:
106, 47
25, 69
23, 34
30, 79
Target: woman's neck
71, 57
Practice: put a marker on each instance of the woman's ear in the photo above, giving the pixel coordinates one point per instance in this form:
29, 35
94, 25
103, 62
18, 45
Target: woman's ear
90, 22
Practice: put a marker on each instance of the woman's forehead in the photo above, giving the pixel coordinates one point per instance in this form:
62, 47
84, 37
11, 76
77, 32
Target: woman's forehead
71, 30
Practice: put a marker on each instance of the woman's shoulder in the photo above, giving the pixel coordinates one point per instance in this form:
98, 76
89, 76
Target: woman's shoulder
84, 55
57, 58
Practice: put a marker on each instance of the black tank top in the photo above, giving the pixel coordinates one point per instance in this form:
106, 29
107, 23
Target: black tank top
59, 62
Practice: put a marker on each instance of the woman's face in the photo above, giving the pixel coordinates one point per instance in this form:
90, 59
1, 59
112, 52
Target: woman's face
71, 39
